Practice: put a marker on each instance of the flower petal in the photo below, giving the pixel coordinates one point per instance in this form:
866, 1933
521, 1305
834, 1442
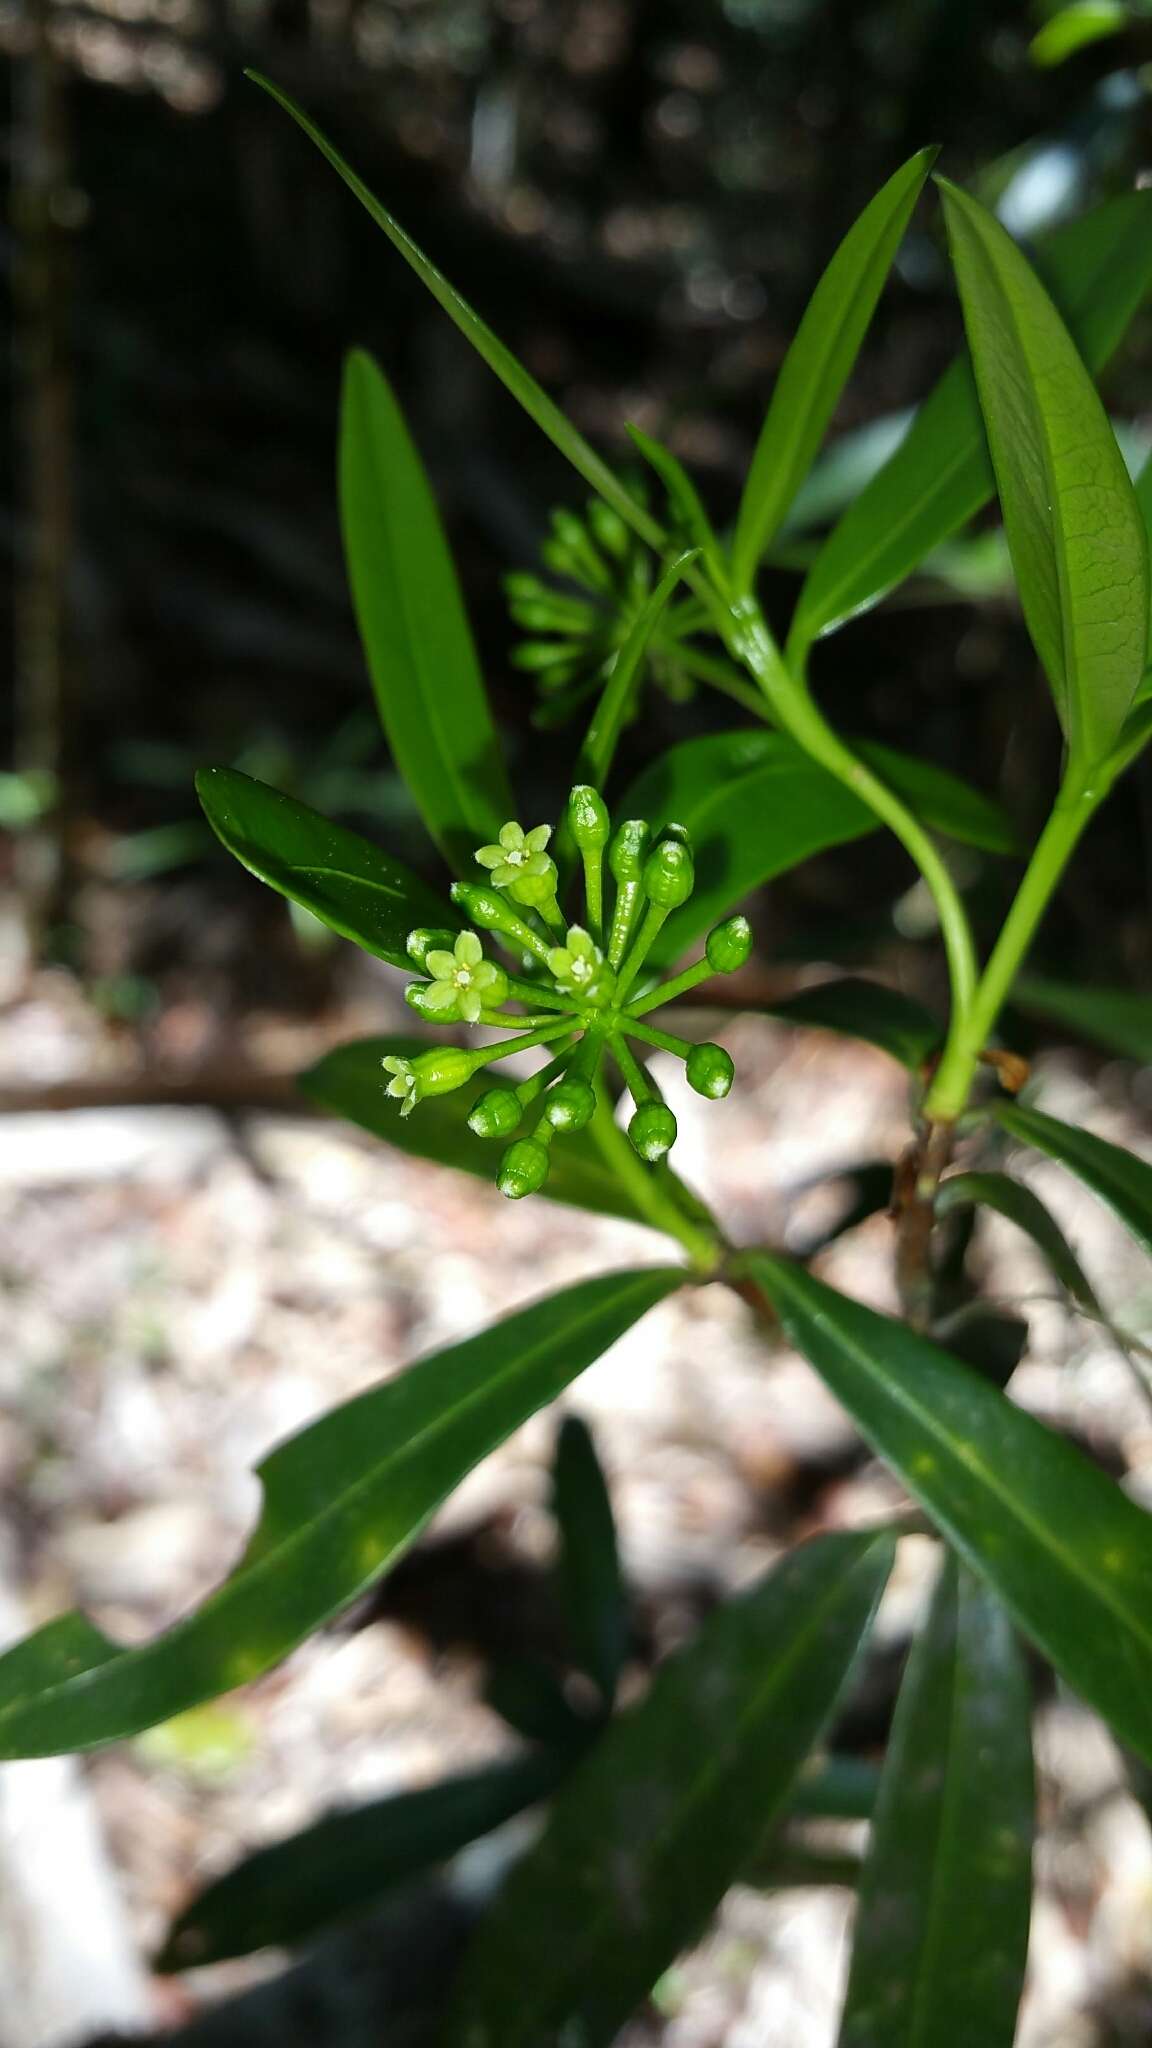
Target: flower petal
490, 856
470, 1006
441, 995
469, 951
537, 839
485, 975
440, 965
510, 835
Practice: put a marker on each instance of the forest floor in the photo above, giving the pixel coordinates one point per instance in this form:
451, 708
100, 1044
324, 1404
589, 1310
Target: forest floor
186, 1283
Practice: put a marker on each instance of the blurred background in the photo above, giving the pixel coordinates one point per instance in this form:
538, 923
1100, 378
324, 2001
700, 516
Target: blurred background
639, 195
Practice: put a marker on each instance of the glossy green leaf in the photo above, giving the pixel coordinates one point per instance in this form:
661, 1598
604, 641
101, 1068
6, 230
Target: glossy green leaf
346, 1862
592, 1590
819, 363
695, 527
757, 805
1074, 27
1111, 1017
1118, 1177
1074, 528
945, 1895
1067, 1551
1098, 269
342, 1500
415, 632
835, 1787
661, 1817
348, 1082
867, 1010
345, 881
510, 371
1018, 1204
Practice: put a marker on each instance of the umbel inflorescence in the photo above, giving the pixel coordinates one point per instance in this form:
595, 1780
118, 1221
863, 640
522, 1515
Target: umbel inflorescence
579, 988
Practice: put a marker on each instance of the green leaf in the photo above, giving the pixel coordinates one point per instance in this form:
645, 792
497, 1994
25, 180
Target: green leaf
1098, 269
1118, 1177
865, 1009
942, 800
592, 1591
618, 696
1112, 1017
1073, 28
342, 879
1074, 528
1067, 1551
757, 805
945, 1895
343, 1864
1020, 1206
348, 1082
510, 371
819, 363
413, 625
685, 500
673, 1802
341, 1502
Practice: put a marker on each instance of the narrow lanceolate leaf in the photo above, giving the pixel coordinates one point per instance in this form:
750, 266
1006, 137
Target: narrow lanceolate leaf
348, 1082
1098, 270
1020, 1206
684, 500
345, 1863
416, 638
945, 1896
1112, 1017
618, 699
510, 371
341, 1501
1073, 525
865, 1009
669, 1808
592, 1592
819, 363
1118, 1177
1067, 1551
756, 805
342, 879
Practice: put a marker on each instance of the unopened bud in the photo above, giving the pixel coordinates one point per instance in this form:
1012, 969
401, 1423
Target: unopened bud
627, 851
523, 1169
669, 874
652, 1131
496, 1113
728, 945
588, 819
424, 941
571, 1104
710, 1071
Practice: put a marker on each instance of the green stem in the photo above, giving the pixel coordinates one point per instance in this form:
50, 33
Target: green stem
704, 1246
641, 1087
972, 1027
676, 985
662, 1040
544, 998
750, 641
649, 932
543, 1035
707, 669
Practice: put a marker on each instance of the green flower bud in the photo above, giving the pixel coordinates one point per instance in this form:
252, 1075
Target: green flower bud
608, 528
523, 1169
588, 819
496, 1113
710, 1070
679, 833
424, 941
728, 945
652, 1131
626, 853
669, 874
571, 1104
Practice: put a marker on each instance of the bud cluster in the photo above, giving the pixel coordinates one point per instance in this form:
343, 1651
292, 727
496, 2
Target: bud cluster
576, 988
572, 635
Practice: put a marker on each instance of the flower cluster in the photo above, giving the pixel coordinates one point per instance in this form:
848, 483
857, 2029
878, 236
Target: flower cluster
574, 635
579, 989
